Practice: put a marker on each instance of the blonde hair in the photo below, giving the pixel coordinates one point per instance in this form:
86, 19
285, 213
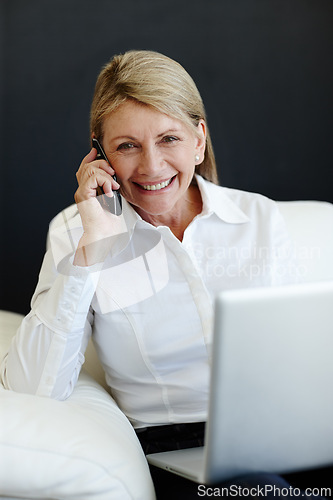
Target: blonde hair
155, 80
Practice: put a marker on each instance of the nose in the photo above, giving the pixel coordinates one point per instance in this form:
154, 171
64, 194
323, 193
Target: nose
150, 162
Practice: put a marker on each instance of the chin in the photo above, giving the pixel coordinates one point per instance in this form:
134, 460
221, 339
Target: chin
152, 209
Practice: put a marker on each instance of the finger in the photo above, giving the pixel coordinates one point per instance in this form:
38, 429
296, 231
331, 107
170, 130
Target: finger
109, 185
93, 178
95, 175
86, 160
91, 156
104, 164
89, 168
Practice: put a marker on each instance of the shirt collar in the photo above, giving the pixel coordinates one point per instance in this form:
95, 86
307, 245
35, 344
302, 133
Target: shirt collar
215, 199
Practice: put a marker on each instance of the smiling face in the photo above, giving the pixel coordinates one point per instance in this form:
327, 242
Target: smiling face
154, 158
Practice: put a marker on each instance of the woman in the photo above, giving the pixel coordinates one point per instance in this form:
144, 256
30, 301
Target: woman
143, 283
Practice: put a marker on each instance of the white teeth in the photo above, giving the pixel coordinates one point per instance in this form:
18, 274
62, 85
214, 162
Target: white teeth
156, 187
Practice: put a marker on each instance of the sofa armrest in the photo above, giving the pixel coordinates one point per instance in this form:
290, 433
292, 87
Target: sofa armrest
80, 448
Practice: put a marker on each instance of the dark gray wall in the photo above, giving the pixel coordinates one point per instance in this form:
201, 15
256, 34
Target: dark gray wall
264, 68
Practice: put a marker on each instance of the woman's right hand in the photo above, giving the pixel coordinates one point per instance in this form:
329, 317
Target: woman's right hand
98, 224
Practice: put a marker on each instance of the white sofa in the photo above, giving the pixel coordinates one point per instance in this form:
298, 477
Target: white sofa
84, 448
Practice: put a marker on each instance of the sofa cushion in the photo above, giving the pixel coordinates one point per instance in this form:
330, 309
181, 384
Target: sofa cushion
81, 448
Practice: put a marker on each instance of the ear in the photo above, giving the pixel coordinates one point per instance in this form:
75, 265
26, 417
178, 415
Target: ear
200, 141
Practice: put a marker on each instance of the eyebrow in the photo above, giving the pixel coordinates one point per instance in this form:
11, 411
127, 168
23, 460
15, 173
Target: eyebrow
129, 137
169, 131
121, 137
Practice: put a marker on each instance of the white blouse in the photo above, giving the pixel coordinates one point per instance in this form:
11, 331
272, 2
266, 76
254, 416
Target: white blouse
149, 306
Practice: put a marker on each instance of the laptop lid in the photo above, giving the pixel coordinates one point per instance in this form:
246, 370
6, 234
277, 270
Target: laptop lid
271, 404
271, 401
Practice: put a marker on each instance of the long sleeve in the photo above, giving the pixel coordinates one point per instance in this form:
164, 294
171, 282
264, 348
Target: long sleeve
47, 352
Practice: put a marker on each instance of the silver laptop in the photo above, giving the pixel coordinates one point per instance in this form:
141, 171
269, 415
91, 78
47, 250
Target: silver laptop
271, 395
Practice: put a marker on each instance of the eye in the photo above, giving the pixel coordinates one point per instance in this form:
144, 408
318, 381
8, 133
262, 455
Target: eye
125, 146
170, 139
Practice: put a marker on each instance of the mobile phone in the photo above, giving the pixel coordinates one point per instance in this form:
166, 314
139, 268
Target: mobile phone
113, 204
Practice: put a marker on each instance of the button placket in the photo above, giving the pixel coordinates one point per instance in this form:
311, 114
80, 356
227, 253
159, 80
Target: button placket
194, 279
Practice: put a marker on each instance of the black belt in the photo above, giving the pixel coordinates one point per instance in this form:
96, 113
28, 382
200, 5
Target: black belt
168, 427
171, 437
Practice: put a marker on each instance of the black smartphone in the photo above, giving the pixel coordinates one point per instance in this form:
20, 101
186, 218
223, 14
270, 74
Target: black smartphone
113, 204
